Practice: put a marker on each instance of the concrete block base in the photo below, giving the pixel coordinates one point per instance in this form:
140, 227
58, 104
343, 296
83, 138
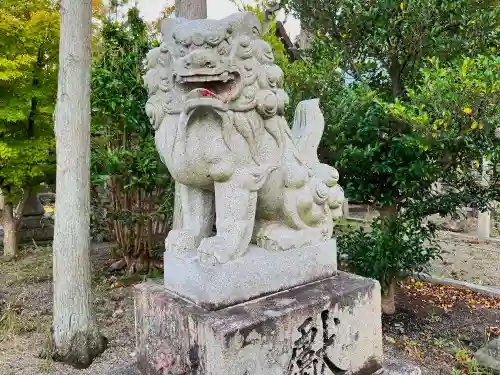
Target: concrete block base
258, 272
332, 326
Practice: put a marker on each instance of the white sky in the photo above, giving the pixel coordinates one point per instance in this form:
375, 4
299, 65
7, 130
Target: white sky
150, 9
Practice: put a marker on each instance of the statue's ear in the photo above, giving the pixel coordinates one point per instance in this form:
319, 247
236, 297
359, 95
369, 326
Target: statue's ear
169, 25
245, 23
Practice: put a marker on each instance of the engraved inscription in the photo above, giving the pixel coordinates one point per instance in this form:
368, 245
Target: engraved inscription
309, 353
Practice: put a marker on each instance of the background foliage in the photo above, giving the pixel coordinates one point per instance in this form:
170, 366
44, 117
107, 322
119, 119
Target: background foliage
382, 251
384, 41
28, 88
409, 91
124, 157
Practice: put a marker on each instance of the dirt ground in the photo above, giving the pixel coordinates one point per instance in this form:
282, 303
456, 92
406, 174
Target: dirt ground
26, 313
433, 324
422, 332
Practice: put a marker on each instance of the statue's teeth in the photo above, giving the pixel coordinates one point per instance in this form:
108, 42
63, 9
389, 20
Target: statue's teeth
224, 77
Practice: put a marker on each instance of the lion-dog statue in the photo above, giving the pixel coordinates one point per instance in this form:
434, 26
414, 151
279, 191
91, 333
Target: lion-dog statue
217, 106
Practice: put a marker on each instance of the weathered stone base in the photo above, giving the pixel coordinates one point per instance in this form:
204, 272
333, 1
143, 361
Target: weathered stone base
333, 325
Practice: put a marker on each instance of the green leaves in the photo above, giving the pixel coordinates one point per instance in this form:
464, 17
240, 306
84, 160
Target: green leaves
396, 37
415, 103
28, 79
123, 147
390, 249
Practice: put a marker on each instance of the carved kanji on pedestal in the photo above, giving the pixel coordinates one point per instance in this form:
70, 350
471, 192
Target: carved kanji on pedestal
308, 361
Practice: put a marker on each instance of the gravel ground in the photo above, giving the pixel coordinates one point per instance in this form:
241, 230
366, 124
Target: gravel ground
26, 290
467, 260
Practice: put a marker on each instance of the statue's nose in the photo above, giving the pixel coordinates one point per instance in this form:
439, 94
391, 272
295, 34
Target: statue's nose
201, 59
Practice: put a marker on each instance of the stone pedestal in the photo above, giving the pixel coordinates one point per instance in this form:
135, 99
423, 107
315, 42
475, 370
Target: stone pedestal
331, 326
257, 273
33, 226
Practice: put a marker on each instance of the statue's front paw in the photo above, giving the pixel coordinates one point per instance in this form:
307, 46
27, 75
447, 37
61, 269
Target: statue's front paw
215, 250
180, 241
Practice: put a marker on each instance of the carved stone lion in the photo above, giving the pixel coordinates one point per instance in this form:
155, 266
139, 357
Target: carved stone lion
217, 107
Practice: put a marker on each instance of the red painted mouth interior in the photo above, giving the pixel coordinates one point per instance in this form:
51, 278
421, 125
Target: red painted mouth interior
208, 93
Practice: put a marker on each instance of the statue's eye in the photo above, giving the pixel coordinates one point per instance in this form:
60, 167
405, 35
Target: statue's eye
213, 40
256, 32
198, 39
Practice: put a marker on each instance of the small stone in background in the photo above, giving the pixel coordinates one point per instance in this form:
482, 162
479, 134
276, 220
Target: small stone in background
396, 369
489, 356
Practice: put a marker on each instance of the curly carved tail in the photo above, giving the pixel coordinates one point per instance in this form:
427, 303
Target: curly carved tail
307, 131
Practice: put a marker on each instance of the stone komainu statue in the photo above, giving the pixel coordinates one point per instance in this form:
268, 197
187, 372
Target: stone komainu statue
217, 107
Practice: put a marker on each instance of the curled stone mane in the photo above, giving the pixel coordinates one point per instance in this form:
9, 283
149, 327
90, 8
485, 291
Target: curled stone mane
246, 80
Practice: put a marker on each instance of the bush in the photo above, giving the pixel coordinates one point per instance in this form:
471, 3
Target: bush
124, 156
392, 249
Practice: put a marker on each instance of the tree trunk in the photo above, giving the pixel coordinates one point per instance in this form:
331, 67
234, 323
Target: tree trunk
11, 221
388, 304
75, 337
388, 211
396, 82
190, 9
10, 244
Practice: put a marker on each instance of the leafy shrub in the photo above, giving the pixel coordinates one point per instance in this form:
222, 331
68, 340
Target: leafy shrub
393, 248
124, 156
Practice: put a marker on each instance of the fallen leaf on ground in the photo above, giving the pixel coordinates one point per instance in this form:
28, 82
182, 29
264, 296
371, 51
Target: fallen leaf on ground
446, 296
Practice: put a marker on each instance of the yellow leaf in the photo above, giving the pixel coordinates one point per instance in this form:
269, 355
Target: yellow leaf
475, 125
401, 5
477, 163
468, 110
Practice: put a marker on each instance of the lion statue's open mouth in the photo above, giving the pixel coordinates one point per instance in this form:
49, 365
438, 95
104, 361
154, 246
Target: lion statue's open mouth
221, 85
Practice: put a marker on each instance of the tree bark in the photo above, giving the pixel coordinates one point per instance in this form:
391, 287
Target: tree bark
191, 9
75, 337
388, 303
395, 71
11, 220
10, 245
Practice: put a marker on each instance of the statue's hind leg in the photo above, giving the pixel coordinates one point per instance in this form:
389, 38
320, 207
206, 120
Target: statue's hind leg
235, 216
197, 219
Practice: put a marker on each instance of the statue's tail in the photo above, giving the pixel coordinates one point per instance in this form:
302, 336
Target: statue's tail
307, 131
